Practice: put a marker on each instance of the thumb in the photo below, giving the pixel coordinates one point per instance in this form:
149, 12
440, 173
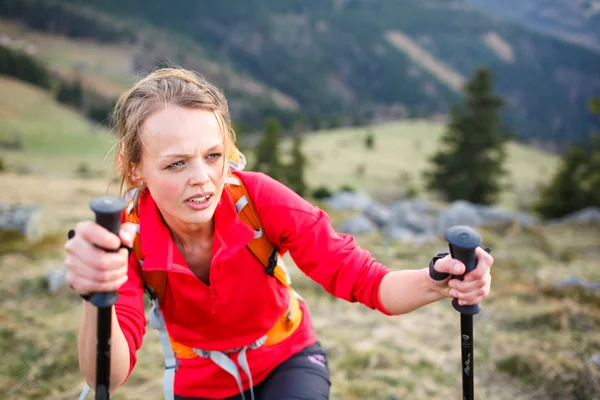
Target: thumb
450, 266
127, 233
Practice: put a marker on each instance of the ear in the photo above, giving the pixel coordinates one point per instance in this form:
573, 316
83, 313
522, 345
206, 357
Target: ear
135, 173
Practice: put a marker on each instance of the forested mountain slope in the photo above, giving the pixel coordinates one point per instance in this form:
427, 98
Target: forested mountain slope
381, 59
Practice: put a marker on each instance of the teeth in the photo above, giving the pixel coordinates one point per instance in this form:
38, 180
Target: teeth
200, 199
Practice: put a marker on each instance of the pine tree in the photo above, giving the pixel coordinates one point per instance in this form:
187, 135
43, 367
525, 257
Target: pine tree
595, 106
267, 150
470, 164
295, 170
575, 184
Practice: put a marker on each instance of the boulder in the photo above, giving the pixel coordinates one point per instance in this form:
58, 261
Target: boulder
24, 220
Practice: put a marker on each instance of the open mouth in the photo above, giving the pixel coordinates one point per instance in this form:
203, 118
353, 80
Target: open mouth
199, 203
200, 199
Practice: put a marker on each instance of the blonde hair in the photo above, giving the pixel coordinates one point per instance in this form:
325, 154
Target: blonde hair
162, 87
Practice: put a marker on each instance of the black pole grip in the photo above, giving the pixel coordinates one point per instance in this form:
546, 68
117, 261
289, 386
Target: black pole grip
462, 241
108, 214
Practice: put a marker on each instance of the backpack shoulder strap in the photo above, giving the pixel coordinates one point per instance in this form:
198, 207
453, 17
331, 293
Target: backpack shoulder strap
260, 246
155, 282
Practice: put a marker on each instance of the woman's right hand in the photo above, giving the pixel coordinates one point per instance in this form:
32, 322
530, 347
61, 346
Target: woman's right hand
91, 269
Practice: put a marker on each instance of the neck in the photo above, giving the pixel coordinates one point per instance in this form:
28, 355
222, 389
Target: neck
189, 237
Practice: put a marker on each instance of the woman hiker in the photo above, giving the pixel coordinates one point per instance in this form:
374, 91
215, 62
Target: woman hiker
235, 328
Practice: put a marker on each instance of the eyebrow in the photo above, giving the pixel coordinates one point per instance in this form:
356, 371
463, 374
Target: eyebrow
183, 155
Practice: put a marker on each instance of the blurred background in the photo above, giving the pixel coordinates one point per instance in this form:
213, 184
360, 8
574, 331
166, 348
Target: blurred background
400, 118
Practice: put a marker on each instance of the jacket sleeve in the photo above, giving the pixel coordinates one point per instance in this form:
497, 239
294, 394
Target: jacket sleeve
130, 311
332, 259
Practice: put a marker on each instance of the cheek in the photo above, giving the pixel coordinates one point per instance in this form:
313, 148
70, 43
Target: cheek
170, 187
166, 188
217, 173
217, 177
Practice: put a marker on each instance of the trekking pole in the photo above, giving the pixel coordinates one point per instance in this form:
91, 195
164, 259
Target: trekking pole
108, 214
462, 241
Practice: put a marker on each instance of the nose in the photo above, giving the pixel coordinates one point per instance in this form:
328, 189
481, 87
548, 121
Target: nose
199, 174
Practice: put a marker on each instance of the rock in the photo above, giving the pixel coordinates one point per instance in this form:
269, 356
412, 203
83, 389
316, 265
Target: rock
458, 213
56, 279
596, 360
526, 220
25, 220
575, 281
585, 216
349, 201
377, 212
413, 221
420, 221
492, 215
360, 224
399, 233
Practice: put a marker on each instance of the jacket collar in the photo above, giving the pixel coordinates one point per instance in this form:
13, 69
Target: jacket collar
231, 234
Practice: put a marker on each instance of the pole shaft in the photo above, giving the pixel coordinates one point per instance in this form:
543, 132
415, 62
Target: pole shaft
466, 328
103, 353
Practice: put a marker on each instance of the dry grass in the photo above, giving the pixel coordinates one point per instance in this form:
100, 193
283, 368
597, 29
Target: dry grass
531, 341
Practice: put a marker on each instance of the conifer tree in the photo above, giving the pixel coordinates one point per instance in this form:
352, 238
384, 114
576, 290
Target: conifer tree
295, 170
576, 184
267, 150
470, 163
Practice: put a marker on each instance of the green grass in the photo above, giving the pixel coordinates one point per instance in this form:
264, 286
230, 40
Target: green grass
56, 138
401, 154
105, 66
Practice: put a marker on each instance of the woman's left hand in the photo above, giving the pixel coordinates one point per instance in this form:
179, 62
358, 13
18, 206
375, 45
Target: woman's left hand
476, 285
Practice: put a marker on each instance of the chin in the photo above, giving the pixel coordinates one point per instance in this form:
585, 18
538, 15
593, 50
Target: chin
199, 217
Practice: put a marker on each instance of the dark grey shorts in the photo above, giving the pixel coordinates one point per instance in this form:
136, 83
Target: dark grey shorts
304, 376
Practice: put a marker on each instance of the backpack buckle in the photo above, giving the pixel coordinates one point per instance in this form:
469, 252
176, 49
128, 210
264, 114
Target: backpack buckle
272, 263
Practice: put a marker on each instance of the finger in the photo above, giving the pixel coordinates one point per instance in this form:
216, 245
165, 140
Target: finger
97, 235
484, 263
476, 299
127, 233
467, 286
107, 268
473, 295
84, 285
449, 265
107, 276
93, 258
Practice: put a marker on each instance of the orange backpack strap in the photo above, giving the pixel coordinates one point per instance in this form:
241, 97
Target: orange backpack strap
260, 246
155, 282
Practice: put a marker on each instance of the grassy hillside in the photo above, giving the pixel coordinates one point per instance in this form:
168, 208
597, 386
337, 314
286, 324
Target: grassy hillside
340, 157
108, 67
105, 67
56, 139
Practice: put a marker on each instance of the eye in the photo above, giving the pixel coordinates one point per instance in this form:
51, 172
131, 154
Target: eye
176, 164
214, 156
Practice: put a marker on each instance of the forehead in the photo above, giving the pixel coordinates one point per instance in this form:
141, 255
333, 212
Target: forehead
174, 128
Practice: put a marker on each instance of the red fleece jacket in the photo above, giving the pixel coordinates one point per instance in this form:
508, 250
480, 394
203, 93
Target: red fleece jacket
243, 301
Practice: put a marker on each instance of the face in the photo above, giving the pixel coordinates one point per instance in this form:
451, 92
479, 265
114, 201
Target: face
182, 164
